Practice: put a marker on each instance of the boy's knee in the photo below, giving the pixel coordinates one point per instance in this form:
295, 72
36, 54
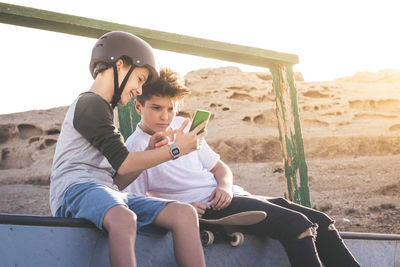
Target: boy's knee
308, 232
183, 214
332, 227
129, 217
281, 201
185, 210
294, 226
120, 217
324, 222
128, 221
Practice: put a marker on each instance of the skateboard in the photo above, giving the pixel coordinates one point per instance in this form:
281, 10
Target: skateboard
225, 228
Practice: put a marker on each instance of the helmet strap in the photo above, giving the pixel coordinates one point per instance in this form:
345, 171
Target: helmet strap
119, 89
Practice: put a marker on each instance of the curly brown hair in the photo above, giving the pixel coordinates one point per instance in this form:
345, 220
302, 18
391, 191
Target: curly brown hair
169, 84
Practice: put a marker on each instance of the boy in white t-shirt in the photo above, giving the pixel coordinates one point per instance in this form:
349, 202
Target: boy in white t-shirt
203, 180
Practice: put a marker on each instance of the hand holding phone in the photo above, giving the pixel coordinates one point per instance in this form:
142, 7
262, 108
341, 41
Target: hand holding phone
199, 117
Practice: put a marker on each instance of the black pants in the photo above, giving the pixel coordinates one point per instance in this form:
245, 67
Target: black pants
285, 222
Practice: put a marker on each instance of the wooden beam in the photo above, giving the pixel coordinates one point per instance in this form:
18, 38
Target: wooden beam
64, 23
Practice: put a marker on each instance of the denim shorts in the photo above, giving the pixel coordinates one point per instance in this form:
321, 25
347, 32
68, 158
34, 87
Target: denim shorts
91, 201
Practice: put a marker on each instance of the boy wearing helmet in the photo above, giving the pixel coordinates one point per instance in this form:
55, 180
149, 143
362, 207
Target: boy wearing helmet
91, 162
203, 180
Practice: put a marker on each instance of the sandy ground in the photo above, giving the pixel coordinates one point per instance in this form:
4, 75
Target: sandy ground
351, 132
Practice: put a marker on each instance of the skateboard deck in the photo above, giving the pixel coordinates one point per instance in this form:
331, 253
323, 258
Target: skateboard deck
224, 228
241, 218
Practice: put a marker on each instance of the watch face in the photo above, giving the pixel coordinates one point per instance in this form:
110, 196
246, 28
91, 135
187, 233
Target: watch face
175, 151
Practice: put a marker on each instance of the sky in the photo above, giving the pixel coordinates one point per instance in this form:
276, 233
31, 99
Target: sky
41, 69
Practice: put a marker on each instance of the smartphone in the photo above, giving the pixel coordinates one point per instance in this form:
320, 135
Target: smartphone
199, 117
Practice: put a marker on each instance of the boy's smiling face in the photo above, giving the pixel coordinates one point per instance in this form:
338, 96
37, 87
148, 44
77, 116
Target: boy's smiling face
135, 82
157, 114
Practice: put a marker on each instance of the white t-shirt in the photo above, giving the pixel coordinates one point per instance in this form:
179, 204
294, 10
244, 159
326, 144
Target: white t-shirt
186, 179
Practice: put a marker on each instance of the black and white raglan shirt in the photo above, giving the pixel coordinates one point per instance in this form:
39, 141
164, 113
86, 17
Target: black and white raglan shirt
89, 148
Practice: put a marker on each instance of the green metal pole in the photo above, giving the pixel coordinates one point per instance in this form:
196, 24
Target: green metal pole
290, 134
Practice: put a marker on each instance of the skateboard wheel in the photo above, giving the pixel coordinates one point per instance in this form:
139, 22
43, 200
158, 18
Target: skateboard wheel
207, 238
237, 239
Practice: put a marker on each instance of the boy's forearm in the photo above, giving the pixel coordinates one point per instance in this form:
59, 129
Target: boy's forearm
223, 174
136, 162
122, 181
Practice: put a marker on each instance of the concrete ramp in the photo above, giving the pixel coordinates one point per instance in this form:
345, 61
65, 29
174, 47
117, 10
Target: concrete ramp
48, 241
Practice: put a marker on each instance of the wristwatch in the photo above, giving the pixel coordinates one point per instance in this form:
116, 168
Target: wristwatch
174, 150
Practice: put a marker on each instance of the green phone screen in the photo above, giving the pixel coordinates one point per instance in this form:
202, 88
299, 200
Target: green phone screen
199, 117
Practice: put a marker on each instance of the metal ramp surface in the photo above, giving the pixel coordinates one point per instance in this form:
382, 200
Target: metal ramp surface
48, 241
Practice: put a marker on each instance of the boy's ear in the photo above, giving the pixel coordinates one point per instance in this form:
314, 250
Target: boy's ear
138, 107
